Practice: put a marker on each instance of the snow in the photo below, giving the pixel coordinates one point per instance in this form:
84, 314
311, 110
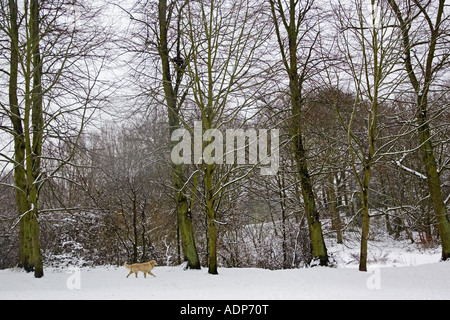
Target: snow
420, 282
398, 270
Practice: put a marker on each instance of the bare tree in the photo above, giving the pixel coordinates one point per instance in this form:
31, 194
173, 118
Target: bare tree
159, 74
223, 44
296, 29
424, 29
49, 56
368, 30
175, 99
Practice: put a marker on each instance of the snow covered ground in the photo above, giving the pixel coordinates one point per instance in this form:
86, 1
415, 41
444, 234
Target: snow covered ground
395, 274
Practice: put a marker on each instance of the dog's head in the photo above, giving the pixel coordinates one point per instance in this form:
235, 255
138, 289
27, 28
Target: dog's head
153, 263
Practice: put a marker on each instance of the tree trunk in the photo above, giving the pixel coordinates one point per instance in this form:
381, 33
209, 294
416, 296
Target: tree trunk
135, 231
433, 179
282, 195
34, 171
365, 221
19, 143
319, 249
211, 219
36, 245
212, 245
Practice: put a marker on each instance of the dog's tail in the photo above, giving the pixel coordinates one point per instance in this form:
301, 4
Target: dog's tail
127, 266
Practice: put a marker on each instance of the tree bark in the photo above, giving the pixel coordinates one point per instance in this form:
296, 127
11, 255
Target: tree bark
34, 169
365, 219
211, 219
19, 143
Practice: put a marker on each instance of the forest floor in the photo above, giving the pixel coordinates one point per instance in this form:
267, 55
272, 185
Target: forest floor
407, 272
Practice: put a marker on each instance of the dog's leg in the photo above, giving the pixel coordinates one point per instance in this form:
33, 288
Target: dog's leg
145, 275
129, 274
152, 274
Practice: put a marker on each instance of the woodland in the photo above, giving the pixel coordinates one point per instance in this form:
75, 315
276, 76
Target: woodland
91, 93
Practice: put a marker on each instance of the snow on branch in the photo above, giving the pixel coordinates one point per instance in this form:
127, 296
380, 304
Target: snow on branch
409, 170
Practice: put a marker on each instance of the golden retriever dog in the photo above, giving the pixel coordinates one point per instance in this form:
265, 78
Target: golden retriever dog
143, 267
